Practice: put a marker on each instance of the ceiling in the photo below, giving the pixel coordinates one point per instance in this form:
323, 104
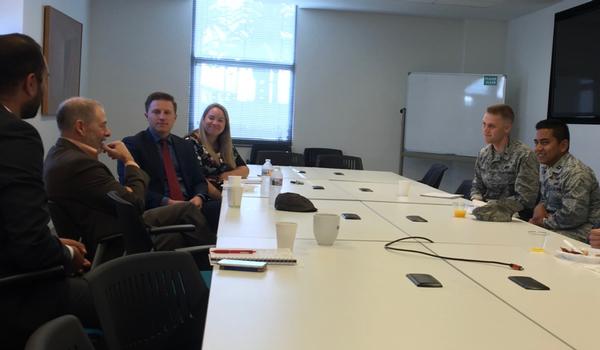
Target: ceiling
464, 9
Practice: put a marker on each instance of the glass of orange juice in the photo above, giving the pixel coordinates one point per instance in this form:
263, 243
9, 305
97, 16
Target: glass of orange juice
459, 209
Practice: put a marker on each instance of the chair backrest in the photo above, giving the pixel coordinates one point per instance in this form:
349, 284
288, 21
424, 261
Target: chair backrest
434, 175
266, 147
102, 250
465, 188
330, 161
351, 162
310, 154
135, 235
277, 157
153, 300
64, 225
62, 333
297, 159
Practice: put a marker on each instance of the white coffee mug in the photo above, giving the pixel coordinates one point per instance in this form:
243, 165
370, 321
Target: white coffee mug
403, 188
325, 228
286, 234
234, 196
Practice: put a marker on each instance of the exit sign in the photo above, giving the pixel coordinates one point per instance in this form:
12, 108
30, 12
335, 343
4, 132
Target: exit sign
490, 80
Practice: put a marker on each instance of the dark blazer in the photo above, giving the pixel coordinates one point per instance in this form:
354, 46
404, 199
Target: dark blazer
26, 243
145, 152
78, 183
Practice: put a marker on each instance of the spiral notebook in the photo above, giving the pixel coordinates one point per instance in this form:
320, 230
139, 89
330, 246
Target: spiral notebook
270, 256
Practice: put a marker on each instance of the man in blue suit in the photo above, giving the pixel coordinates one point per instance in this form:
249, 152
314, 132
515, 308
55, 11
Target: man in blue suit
175, 174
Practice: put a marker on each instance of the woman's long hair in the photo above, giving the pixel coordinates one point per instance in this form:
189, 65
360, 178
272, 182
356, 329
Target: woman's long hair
224, 140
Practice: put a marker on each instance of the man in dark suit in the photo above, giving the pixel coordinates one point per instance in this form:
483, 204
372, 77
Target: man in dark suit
175, 174
77, 181
26, 243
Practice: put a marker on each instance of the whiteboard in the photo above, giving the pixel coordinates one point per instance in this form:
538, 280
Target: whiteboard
444, 111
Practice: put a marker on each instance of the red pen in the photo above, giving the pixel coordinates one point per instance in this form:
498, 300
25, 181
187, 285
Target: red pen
233, 251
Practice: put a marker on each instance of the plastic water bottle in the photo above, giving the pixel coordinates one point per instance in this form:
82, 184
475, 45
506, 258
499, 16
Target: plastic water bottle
276, 184
265, 187
267, 168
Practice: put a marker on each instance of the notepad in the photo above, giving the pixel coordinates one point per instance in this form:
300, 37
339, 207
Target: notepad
442, 195
270, 256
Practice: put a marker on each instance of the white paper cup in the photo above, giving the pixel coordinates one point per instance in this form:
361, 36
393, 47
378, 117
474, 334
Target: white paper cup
234, 181
234, 196
403, 188
325, 228
286, 234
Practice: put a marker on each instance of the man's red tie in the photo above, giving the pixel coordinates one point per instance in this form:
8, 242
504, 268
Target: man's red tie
174, 189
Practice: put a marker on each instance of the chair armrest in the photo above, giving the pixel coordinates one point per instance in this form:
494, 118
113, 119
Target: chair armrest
109, 244
171, 229
200, 254
110, 238
29, 277
196, 249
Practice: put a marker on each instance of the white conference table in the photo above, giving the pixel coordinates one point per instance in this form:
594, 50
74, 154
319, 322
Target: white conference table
314, 173
351, 190
388, 192
570, 309
442, 227
372, 176
287, 172
354, 295
330, 190
256, 218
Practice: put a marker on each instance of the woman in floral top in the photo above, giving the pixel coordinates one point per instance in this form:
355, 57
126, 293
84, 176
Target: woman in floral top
214, 148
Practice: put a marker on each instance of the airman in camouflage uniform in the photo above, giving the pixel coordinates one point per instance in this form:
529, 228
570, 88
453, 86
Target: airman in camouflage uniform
505, 169
570, 197
510, 174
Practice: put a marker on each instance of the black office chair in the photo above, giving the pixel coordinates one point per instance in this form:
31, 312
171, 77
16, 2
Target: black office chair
137, 237
283, 158
465, 189
54, 272
351, 162
310, 154
297, 159
106, 248
149, 301
266, 147
334, 161
61, 333
64, 226
434, 175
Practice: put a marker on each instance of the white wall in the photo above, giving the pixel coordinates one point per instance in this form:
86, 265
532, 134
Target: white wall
33, 25
11, 16
139, 46
528, 60
351, 72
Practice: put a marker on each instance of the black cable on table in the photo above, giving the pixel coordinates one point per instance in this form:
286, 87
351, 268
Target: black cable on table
389, 247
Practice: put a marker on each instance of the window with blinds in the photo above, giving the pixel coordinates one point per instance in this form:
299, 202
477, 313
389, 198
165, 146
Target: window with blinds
243, 58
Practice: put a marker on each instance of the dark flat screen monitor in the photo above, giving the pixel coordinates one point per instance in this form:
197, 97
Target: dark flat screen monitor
575, 75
